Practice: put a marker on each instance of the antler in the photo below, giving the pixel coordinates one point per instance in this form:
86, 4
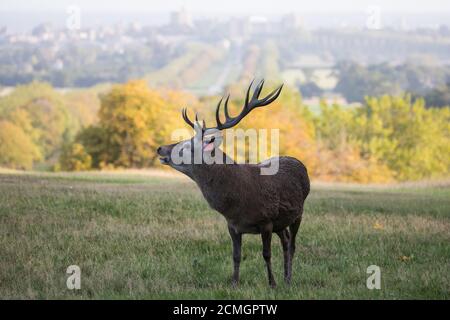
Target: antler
248, 106
189, 122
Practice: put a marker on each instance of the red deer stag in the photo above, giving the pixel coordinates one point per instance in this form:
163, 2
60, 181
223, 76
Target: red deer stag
250, 202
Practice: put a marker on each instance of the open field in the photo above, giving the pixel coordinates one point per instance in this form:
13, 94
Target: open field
152, 235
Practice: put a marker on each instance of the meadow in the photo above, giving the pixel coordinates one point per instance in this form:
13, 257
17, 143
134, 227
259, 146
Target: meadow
150, 235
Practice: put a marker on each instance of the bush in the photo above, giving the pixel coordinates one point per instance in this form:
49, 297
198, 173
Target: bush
75, 158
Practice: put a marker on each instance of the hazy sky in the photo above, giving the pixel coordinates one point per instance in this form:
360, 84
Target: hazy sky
230, 6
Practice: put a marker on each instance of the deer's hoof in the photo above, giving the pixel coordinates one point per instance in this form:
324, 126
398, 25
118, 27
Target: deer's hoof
273, 284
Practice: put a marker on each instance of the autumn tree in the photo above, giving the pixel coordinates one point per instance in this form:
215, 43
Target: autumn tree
40, 112
17, 150
74, 158
133, 121
286, 114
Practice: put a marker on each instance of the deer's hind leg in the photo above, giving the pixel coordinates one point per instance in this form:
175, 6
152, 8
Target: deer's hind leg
266, 236
237, 241
285, 243
293, 228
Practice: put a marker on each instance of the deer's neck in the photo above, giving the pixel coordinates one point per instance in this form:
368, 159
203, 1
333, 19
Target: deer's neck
219, 184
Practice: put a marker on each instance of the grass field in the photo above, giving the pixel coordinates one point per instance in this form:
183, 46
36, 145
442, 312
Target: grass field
152, 236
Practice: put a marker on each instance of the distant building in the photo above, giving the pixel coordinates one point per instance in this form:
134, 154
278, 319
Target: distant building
292, 21
258, 25
58, 65
238, 29
42, 30
181, 19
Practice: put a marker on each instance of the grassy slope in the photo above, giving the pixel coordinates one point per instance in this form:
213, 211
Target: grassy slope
172, 70
153, 236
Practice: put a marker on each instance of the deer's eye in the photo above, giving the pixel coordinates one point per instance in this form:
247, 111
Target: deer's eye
209, 139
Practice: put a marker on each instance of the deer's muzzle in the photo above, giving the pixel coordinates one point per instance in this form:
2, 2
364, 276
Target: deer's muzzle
164, 153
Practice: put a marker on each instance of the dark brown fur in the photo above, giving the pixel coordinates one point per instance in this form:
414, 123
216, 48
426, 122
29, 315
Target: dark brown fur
249, 201
255, 203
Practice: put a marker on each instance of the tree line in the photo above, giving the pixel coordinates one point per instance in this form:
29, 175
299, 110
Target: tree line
387, 138
429, 81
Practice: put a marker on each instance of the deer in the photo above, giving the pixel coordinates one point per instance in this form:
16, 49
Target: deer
251, 203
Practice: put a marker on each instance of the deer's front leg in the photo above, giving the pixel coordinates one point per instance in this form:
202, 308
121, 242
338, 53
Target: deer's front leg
266, 236
237, 240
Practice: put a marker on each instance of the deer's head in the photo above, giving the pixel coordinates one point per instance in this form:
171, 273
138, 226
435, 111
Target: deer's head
203, 147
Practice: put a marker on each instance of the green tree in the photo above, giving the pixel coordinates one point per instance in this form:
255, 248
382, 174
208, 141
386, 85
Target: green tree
95, 141
339, 154
75, 158
439, 97
414, 142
